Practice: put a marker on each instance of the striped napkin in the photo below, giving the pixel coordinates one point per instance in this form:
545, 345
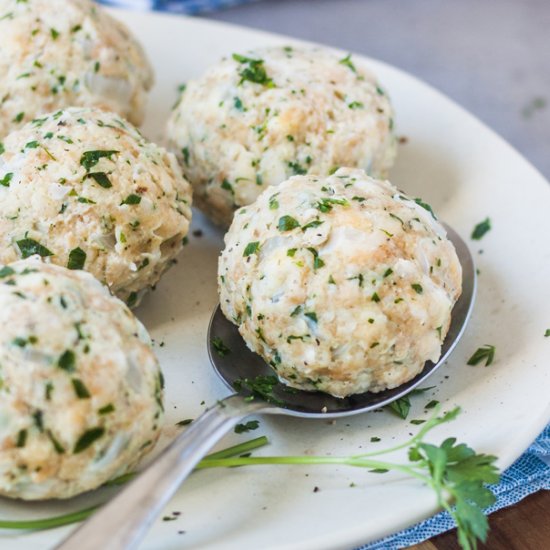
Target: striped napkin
175, 6
530, 473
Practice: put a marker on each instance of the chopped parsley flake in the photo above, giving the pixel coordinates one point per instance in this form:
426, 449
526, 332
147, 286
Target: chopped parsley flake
348, 63
106, 409
317, 262
67, 361
297, 168
247, 427
261, 386
312, 315
325, 205
77, 258
29, 247
312, 224
251, 248
417, 288
90, 158
219, 346
131, 199
273, 202
87, 439
6, 271
101, 179
480, 229
253, 70
485, 353
238, 104
185, 153
426, 206
80, 389
21, 438
132, 299
287, 223
6, 180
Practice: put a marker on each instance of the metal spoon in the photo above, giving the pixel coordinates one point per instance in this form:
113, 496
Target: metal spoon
124, 521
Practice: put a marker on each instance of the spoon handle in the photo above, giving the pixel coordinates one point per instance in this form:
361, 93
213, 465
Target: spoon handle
124, 521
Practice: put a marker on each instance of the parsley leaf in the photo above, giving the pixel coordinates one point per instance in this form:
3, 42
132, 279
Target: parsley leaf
90, 158
261, 386
29, 247
131, 199
253, 70
247, 427
87, 439
77, 258
6, 180
485, 353
480, 229
251, 248
287, 223
221, 349
426, 206
101, 178
348, 63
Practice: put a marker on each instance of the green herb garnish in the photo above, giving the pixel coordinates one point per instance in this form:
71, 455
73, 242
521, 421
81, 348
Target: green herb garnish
251, 248
101, 179
67, 361
219, 346
348, 63
480, 229
247, 427
29, 247
77, 258
417, 288
287, 223
485, 353
312, 225
88, 438
90, 158
426, 206
80, 389
261, 386
253, 70
131, 199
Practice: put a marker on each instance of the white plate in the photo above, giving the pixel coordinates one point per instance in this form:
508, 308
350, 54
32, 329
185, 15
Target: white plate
467, 173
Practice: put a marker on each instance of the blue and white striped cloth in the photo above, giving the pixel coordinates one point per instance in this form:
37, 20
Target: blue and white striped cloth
530, 473
175, 6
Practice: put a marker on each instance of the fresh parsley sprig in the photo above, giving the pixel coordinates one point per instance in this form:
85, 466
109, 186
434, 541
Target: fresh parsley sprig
455, 472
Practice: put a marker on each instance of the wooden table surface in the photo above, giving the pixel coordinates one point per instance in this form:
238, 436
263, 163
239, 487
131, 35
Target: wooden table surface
524, 526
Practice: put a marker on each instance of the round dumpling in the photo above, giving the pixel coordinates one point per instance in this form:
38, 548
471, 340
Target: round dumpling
85, 190
341, 283
61, 53
255, 120
80, 388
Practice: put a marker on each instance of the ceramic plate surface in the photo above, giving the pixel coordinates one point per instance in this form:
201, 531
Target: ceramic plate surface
466, 173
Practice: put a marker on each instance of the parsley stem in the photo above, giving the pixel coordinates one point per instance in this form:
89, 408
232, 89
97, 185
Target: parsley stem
81, 515
358, 462
431, 423
49, 523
